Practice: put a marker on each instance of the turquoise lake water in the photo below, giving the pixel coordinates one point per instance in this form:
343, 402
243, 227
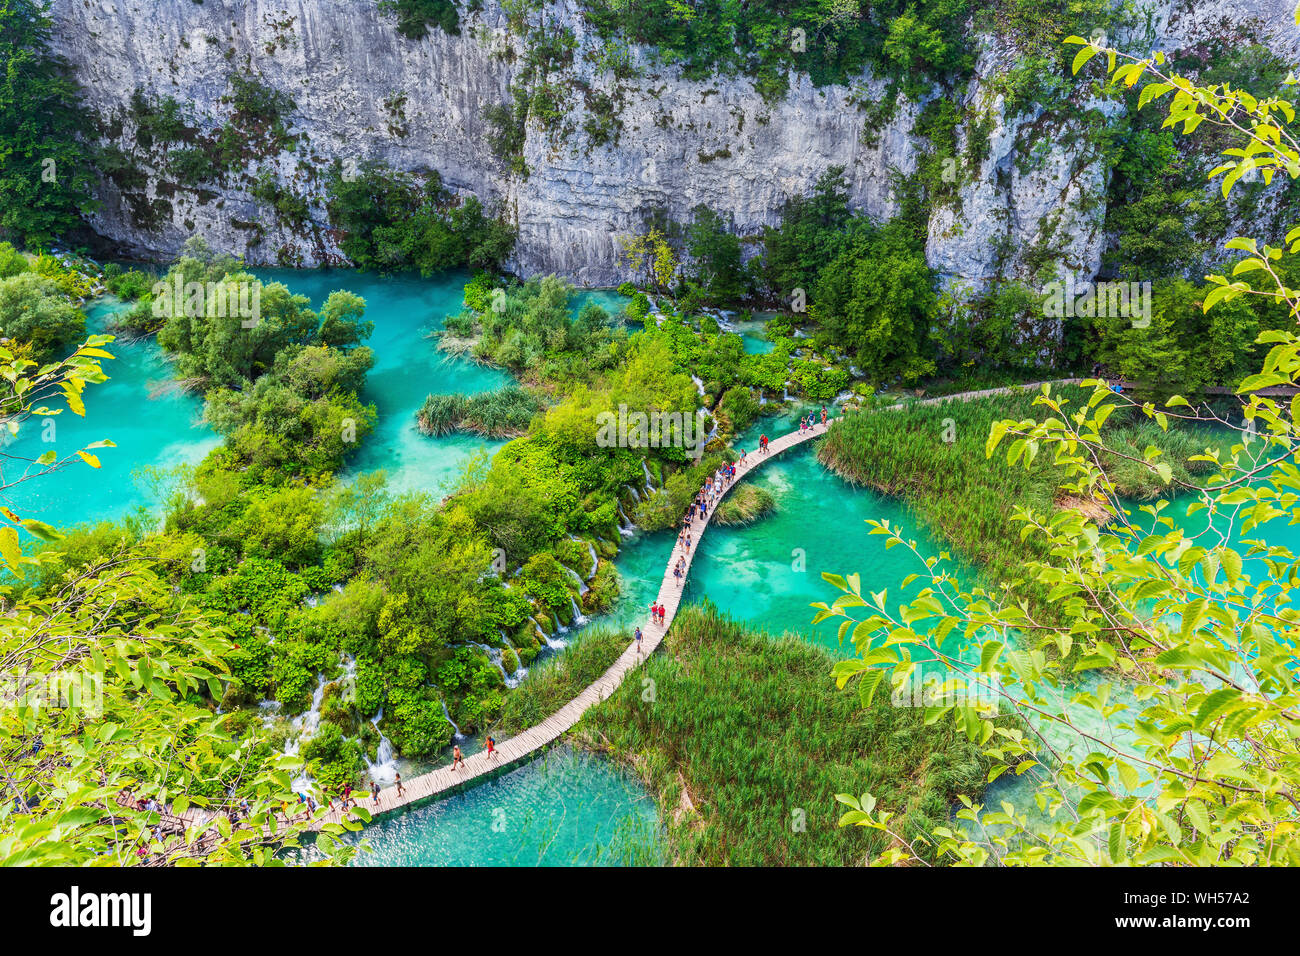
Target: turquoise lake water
562, 808
162, 431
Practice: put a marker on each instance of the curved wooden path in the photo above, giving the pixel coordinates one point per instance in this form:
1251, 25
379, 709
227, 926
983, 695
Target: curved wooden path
535, 738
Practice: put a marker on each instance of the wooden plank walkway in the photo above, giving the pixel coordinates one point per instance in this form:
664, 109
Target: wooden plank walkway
535, 738
670, 596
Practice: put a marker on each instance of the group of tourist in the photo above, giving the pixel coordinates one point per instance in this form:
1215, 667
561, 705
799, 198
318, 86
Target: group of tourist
658, 613
707, 498
809, 422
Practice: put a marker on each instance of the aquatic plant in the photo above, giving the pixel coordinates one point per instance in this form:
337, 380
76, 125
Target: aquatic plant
745, 504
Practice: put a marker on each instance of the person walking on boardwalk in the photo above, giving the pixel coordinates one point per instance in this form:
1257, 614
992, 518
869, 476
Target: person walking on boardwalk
374, 796
400, 789
762, 444
637, 635
823, 416
457, 758
492, 747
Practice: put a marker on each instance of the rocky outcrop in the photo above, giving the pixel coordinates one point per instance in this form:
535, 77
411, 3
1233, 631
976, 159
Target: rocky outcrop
363, 91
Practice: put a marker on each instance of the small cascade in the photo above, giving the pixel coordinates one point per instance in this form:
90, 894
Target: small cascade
625, 526
554, 643
384, 769
494, 655
308, 722
591, 548
577, 579
456, 734
635, 495
699, 384
579, 618
649, 481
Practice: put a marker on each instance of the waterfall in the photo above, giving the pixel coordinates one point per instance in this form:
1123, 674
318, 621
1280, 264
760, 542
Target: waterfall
551, 642
699, 384
456, 734
634, 493
579, 618
649, 482
494, 655
577, 579
384, 769
595, 561
625, 526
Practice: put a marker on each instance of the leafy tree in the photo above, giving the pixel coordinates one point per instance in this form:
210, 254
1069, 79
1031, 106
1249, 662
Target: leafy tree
35, 312
45, 182
810, 235
715, 257
652, 255
877, 299
391, 220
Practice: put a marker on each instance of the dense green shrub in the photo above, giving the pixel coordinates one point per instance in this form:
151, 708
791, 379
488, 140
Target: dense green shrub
390, 220
33, 310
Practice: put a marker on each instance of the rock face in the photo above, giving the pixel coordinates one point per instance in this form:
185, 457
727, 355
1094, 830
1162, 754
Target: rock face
362, 91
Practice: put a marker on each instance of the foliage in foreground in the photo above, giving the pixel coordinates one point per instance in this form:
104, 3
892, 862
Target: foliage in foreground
1186, 636
110, 677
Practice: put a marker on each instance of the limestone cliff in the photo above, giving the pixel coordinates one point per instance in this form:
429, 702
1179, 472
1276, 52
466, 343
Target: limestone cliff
363, 91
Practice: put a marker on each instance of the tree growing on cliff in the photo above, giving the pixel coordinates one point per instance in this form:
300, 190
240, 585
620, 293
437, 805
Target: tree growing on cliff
45, 166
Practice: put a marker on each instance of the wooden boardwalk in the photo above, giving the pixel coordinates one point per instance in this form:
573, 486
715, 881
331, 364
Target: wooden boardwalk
537, 737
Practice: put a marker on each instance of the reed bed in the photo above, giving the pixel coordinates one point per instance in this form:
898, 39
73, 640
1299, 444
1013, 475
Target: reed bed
744, 505
745, 740
933, 458
504, 413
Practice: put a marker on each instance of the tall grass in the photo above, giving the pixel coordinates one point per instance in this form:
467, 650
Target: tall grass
504, 413
744, 505
968, 499
754, 729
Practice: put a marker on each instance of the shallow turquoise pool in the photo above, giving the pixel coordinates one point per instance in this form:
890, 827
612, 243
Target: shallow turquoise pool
564, 808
